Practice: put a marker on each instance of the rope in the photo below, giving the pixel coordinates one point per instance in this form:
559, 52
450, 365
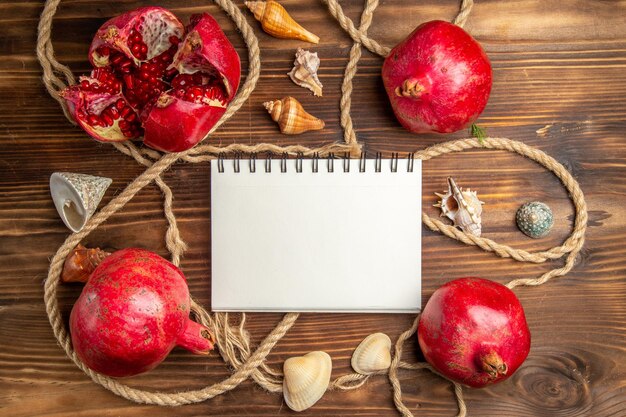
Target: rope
233, 340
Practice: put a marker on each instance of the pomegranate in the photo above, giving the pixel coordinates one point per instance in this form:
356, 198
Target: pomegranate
132, 312
473, 331
438, 79
156, 78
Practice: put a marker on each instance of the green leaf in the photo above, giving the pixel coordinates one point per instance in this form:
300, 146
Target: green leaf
478, 132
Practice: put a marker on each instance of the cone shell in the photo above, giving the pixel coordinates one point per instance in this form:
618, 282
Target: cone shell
291, 116
372, 355
306, 379
76, 196
276, 21
462, 207
304, 72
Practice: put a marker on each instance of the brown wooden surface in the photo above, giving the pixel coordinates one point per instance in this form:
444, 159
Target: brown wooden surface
559, 84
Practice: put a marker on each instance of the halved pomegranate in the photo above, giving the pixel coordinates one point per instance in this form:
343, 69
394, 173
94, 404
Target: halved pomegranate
153, 73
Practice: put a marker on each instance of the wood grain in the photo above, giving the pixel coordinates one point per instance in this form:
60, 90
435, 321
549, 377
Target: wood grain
560, 85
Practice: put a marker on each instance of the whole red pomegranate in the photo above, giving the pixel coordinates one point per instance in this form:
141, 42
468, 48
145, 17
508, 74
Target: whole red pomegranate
132, 312
156, 78
474, 331
438, 79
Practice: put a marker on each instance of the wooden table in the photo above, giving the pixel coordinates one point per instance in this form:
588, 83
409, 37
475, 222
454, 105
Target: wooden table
559, 85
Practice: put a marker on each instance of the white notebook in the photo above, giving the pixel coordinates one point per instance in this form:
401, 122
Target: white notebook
320, 241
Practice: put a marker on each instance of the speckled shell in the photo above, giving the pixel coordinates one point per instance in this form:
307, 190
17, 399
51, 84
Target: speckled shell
304, 72
291, 116
306, 379
276, 21
76, 196
462, 207
534, 219
372, 355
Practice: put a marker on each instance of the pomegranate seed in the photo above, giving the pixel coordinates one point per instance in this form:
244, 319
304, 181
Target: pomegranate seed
107, 119
84, 84
123, 124
93, 120
113, 112
131, 117
125, 112
174, 40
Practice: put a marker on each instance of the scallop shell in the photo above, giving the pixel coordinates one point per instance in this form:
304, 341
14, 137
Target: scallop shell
306, 379
372, 355
291, 116
276, 21
304, 72
76, 196
462, 207
535, 219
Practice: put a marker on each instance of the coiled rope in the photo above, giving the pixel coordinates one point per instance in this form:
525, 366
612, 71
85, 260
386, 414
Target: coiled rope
234, 340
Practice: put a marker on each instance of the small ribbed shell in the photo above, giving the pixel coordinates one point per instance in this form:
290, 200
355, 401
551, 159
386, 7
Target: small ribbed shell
372, 355
304, 72
291, 116
306, 379
276, 21
462, 207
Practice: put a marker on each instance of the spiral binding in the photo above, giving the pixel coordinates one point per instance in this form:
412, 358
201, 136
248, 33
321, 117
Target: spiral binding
315, 158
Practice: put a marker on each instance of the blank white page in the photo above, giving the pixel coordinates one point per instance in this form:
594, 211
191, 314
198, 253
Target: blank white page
316, 241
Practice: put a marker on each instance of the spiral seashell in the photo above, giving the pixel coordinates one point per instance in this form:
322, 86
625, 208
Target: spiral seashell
291, 116
462, 207
81, 262
372, 355
306, 379
304, 72
276, 21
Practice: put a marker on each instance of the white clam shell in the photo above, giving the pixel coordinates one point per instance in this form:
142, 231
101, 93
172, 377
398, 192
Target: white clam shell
372, 355
306, 379
76, 196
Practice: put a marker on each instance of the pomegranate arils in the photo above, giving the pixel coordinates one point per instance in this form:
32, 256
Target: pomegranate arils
137, 46
173, 84
199, 88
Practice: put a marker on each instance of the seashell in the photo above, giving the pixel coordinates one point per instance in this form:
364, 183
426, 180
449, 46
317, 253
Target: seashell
304, 72
291, 116
462, 207
306, 379
535, 219
372, 355
81, 262
76, 196
276, 21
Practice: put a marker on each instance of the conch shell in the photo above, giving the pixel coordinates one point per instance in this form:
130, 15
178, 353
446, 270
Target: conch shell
81, 262
462, 207
372, 355
291, 117
306, 379
276, 21
304, 72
